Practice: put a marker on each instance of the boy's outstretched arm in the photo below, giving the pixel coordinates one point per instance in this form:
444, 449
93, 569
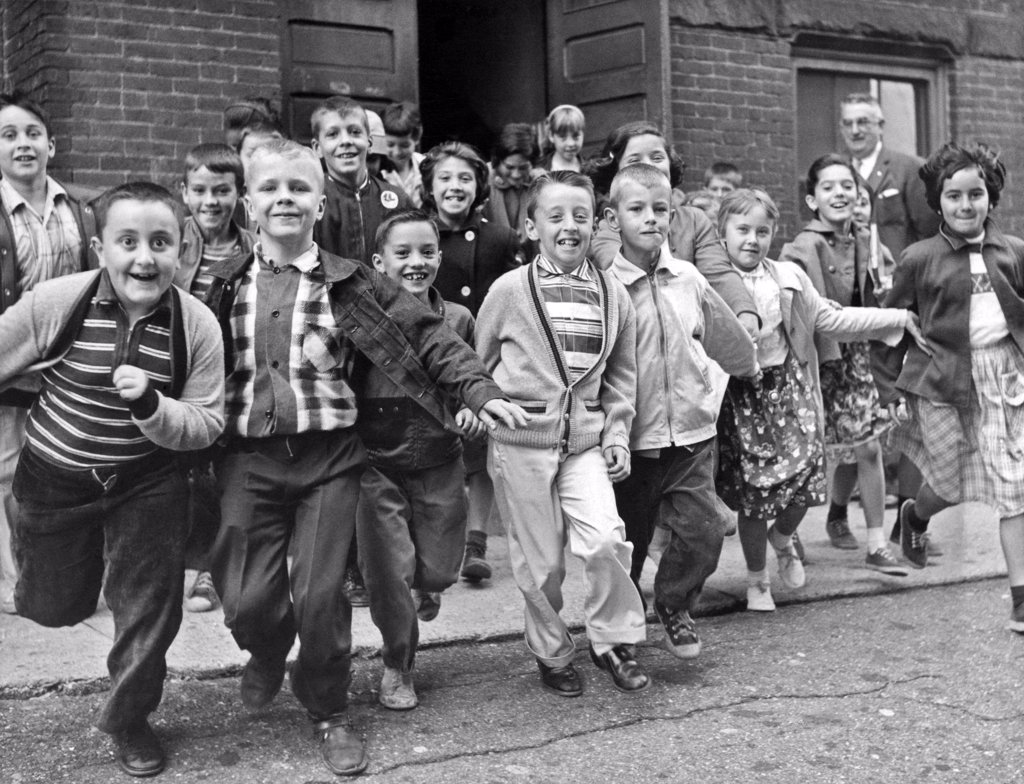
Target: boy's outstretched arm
725, 339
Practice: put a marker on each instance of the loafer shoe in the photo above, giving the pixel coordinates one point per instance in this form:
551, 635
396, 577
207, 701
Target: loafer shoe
563, 681
341, 749
620, 662
261, 681
396, 690
839, 534
139, 752
428, 604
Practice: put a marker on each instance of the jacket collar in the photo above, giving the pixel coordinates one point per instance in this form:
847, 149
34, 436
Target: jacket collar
993, 236
628, 273
335, 267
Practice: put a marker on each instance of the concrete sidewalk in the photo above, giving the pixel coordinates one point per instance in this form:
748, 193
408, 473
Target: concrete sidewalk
35, 660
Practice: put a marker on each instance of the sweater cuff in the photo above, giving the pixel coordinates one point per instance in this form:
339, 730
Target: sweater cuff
145, 405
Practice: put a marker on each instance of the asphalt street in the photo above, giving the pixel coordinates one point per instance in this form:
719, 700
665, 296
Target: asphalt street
923, 685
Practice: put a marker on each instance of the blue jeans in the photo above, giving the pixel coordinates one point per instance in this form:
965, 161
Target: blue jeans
70, 522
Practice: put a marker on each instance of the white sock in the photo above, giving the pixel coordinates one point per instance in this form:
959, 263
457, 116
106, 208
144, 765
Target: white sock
756, 578
601, 648
876, 539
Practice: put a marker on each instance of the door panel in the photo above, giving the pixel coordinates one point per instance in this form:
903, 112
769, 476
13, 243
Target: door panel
365, 49
610, 58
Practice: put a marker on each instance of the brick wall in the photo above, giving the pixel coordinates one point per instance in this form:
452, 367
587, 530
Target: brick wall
733, 100
131, 86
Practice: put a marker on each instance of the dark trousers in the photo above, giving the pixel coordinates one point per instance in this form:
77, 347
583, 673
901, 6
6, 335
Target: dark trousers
412, 533
203, 512
68, 522
273, 491
677, 491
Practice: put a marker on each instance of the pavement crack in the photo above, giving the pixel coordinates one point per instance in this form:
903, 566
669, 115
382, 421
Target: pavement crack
648, 719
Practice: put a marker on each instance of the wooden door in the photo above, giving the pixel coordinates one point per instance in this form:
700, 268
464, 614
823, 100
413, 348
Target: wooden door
610, 58
365, 49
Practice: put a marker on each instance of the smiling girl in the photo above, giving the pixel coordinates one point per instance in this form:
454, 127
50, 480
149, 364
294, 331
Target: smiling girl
965, 401
836, 259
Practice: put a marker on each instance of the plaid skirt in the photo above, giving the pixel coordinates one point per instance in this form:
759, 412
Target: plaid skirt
853, 415
977, 453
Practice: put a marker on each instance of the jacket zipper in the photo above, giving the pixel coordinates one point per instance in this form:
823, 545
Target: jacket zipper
663, 345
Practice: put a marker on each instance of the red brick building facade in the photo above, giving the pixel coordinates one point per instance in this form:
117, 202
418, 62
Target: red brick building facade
131, 86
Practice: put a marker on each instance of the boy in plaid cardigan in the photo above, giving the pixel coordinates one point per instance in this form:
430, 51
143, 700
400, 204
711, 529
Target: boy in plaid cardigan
294, 319
560, 338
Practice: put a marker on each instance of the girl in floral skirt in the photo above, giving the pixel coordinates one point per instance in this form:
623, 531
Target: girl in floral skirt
836, 259
966, 400
771, 444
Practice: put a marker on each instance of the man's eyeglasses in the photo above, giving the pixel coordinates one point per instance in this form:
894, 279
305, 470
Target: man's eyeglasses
860, 122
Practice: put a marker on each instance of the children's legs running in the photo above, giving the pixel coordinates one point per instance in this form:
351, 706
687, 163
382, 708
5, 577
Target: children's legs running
754, 541
789, 520
928, 504
844, 479
1011, 536
871, 476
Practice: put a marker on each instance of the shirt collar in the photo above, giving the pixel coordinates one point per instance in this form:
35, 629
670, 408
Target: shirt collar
12, 199
992, 236
754, 274
867, 164
307, 261
548, 270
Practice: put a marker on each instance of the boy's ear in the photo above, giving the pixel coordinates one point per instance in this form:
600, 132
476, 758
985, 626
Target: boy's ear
378, 262
321, 206
97, 247
184, 192
249, 209
531, 230
612, 217
51, 147
315, 146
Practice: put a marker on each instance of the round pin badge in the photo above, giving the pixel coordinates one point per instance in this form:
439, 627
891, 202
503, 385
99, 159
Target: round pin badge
389, 199
470, 235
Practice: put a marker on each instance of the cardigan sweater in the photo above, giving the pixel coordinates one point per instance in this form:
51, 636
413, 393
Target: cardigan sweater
35, 329
518, 344
933, 279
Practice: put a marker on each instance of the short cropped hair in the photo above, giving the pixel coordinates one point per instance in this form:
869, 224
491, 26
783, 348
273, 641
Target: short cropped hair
725, 170
139, 190
515, 138
403, 119
286, 148
219, 159
342, 106
951, 158
251, 114
380, 239
865, 98
741, 201
643, 174
565, 119
462, 151
561, 177
22, 101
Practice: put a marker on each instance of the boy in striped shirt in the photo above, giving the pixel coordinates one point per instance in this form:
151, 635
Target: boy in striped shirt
559, 337
132, 373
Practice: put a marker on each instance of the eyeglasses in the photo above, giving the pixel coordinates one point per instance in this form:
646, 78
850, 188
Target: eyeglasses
860, 122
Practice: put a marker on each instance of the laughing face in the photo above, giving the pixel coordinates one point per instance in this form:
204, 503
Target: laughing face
965, 203
139, 250
834, 195
211, 199
454, 190
411, 257
563, 223
25, 146
343, 141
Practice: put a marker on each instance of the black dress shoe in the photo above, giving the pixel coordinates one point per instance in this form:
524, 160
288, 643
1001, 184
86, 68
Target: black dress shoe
341, 749
620, 662
261, 681
139, 752
563, 681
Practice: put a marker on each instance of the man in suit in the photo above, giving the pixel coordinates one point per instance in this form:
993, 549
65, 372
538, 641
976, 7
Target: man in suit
899, 206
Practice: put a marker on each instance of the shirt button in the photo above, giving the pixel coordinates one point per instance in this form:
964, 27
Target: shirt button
565, 417
831, 267
465, 291
470, 236
275, 313
269, 414
277, 270
275, 364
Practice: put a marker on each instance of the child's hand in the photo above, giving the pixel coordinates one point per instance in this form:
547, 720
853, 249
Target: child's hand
617, 458
914, 329
898, 411
469, 423
130, 381
509, 413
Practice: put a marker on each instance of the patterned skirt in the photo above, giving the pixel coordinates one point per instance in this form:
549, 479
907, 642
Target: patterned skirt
771, 454
977, 453
853, 415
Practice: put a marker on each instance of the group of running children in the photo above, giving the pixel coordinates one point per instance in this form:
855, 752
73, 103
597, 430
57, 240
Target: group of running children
374, 346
